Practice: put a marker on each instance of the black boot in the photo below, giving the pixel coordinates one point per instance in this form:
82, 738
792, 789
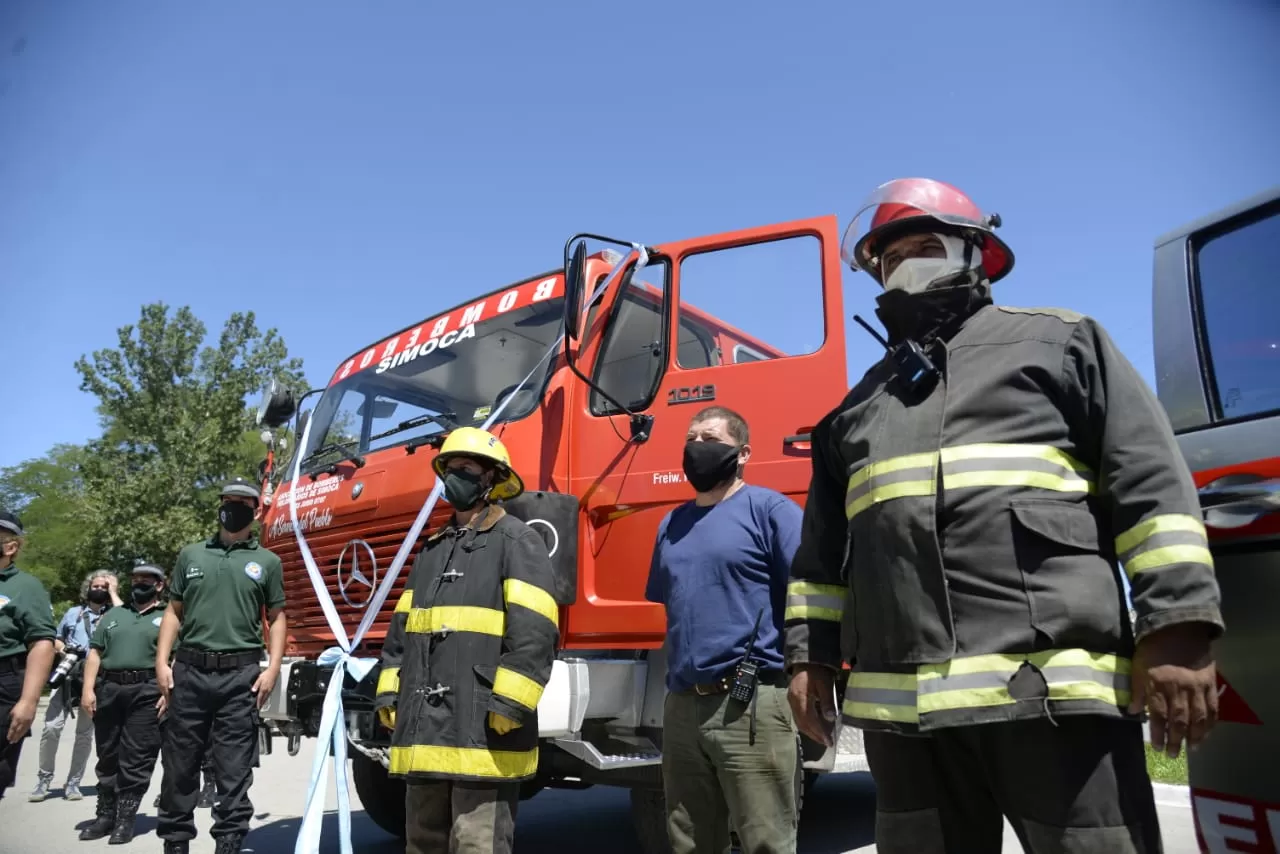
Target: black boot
156, 804
171, 847
207, 794
229, 844
126, 812
105, 819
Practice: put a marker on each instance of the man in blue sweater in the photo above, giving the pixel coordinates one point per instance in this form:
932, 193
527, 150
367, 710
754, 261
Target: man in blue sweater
720, 566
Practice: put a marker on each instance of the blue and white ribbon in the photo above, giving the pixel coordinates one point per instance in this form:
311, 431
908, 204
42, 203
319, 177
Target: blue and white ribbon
333, 725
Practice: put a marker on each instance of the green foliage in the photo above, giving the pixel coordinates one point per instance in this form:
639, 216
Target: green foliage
1162, 769
177, 420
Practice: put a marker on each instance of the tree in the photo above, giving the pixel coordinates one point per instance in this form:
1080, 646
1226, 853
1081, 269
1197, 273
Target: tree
176, 424
48, 493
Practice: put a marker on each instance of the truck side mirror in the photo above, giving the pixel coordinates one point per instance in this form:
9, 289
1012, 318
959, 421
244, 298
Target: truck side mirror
575, 272
277, 406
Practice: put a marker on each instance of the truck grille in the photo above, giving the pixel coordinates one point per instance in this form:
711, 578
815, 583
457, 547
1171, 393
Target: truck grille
309, 632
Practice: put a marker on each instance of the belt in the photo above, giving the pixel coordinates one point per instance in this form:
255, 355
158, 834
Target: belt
129, 677
773, 678
217, 660
13, 663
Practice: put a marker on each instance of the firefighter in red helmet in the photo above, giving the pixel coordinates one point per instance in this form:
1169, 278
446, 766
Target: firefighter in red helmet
973, 500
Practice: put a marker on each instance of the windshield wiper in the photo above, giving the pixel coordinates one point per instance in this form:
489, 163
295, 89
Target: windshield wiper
444, 419
341, 450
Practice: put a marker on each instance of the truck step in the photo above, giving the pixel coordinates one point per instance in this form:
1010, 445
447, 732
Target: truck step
620, 752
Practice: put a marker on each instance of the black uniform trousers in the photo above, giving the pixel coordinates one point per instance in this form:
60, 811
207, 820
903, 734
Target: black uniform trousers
1070, 785
12, 673
209, 704
127, 728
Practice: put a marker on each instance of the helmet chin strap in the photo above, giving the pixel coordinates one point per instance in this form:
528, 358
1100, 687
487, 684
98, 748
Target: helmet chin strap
917, 275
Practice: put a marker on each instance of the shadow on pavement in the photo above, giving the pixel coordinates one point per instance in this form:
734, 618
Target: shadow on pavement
839, 816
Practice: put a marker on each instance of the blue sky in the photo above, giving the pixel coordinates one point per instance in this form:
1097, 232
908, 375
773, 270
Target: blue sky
347, 169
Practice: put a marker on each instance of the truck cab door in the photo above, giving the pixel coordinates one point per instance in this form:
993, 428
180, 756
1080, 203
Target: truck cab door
751, 320
1217, 355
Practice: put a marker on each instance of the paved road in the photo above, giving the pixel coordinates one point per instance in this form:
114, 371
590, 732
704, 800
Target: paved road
838, 817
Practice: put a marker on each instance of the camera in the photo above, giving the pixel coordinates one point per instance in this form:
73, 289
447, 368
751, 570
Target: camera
71, 656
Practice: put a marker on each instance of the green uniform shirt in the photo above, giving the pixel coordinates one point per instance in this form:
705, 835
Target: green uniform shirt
223, 591
126, 638
26, 615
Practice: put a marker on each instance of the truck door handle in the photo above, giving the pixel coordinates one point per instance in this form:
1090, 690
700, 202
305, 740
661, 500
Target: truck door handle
799, 442
1238, 500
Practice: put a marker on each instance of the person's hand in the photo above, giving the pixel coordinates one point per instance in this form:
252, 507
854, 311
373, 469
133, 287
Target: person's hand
264, 683
113, 586
89, 701
162, 706
812, 698
501, 724
387, 717
1174, 678
20, 718
164, 679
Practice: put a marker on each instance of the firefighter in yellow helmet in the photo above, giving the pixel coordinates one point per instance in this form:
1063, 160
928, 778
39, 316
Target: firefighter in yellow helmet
467, 656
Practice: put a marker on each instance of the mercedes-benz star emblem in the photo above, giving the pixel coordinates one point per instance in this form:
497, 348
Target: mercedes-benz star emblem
356, 490
357, 573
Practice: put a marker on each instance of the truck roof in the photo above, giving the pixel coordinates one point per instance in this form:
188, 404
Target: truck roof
1217, 218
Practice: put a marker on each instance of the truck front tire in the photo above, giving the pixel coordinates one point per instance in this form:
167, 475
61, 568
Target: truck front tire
380, 794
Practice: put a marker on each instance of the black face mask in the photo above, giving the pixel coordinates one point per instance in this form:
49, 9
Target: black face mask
143, 593
709, 464
98, 596
462, 489
234, 516
938, 311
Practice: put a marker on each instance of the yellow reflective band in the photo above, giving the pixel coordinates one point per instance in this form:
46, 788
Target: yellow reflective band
1168, 556
389, 681
517, 592
808, 588
456, 618
812, 612
1002, 451
888, 492
893, 464
463, 761
809, 601
1164, 524
881, 712
517, 687
405, 603
1035, 479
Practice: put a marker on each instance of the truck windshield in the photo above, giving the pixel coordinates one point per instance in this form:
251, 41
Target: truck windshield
448, 371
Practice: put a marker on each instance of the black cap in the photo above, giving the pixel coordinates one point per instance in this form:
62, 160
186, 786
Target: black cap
241, 488
9, 522
149, 569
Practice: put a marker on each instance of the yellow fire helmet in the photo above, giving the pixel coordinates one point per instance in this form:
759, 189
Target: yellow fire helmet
474, 442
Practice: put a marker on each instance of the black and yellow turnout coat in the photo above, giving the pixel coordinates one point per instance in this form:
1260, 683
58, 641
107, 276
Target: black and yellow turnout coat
474, 632
960, 548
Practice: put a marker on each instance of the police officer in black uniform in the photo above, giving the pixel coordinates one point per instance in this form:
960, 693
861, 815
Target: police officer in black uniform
125, 704
220, 589
26, 648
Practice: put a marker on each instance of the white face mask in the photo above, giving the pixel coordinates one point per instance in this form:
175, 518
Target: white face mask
914, 275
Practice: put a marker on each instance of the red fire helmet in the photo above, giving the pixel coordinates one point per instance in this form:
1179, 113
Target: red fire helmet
910, 205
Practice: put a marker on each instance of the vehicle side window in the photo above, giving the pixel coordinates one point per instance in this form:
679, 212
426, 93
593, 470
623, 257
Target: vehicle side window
631, 358
764, 301
1238, 274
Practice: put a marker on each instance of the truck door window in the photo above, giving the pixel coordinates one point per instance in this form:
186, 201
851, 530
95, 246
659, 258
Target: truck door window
1239, 286
763, 301
630, 363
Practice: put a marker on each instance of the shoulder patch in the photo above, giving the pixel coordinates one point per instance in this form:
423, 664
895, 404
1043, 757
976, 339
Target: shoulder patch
253, 569
4, 600
1063, 314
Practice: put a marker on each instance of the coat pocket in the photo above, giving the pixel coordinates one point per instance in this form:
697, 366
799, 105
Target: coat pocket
1073, 590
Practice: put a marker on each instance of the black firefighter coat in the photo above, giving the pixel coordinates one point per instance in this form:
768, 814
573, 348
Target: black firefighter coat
474, 632
961, 548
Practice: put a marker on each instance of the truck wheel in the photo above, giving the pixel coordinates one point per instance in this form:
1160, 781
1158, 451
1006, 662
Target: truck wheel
649, 818
380, 794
